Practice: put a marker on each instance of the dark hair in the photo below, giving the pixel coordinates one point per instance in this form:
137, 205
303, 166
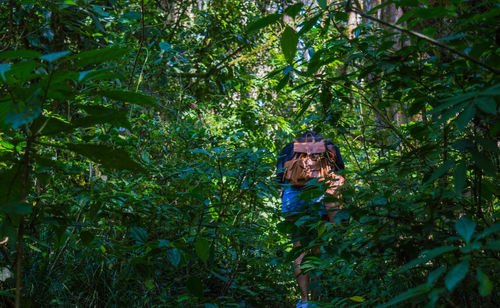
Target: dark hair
317, 136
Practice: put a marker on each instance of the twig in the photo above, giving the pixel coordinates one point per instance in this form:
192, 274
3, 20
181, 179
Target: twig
140, 46
423, 37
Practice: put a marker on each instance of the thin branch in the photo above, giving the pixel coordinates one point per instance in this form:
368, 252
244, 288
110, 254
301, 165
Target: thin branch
140, 46
423, 37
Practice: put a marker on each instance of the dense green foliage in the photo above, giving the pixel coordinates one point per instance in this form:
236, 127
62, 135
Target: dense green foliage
138, 142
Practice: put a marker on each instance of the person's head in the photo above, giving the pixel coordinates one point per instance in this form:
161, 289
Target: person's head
302, 138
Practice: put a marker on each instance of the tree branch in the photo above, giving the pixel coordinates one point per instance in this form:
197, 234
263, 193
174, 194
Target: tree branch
423, 37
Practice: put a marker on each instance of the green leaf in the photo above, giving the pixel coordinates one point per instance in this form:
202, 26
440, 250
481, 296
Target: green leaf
418, 290
288, 42
165, 46
98, 56
86, 237
456, 274
51, 57
100, 115
357, 298
202, 247
195, 286
322, 4
107, 156
17, 120
440, 171
283, 82
428, 255
293, 10
21, 208
484, 162
308, 24
459, 177
485, 285
130, 97
493, 229
263, 22
139, 234
464, 118
465, 227
434, 275
150, 284
486, 104
18, 54
173, 256
51, 126
4, 67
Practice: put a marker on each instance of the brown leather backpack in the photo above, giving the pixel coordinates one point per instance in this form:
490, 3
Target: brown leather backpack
312, 160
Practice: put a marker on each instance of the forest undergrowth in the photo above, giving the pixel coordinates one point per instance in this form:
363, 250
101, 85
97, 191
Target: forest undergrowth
139, 139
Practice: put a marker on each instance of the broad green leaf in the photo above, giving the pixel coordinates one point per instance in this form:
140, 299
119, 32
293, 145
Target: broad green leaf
50, 126
18, 54
163, 243
20, 208
263, 22
129, 97
465, 117
165, 46
428, 255
484, 162
493, 229
487, 104
293, 10
100, 115
150, 284
195, 286
485, 285
283, 82
440, 171
456, 274
107, 156
288, 42
173, 256
202, 247
51, 57
434, 275
17, 120
322, 4
493, 245
465, 227
4, 67
139, 234
418, 290
459, 177
98, 56
285, 227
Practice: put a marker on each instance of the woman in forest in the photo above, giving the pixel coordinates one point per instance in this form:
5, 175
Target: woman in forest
294, 207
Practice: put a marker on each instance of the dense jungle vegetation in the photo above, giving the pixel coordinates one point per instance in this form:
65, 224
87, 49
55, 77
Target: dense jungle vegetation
138, 145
